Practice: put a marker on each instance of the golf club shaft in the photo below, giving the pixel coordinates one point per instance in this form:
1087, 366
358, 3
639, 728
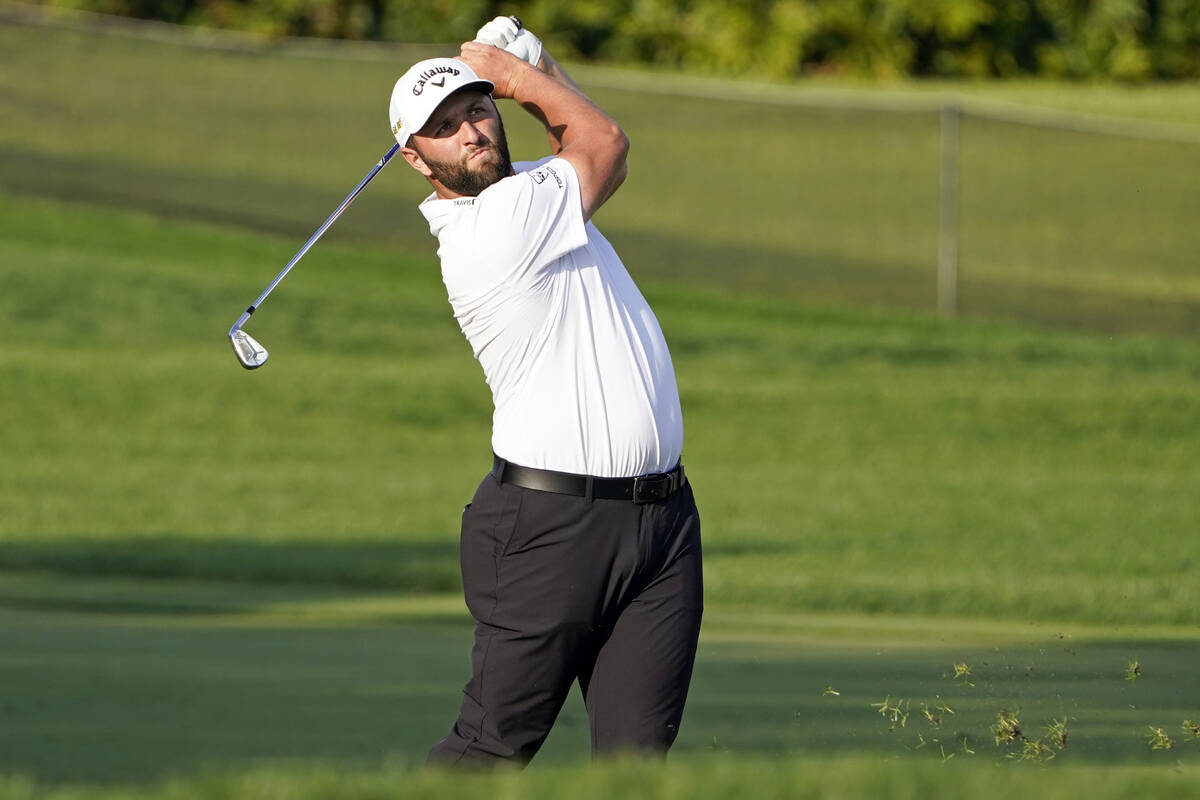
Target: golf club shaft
312, 240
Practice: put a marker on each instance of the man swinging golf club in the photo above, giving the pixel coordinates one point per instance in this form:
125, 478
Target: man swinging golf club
580, 550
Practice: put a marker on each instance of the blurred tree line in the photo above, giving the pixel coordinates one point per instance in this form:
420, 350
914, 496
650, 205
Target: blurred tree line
1128, 40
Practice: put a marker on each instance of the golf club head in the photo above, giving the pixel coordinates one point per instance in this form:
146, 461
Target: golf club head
249, 352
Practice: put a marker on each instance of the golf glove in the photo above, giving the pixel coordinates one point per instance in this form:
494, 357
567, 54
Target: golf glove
507, 34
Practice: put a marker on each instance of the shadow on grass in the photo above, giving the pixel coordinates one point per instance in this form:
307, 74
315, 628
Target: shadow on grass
399, 566
407, 567
178, 194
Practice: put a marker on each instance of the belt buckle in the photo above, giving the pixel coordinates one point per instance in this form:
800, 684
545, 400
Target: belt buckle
651, 488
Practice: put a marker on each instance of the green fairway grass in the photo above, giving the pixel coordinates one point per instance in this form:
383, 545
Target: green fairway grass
854, 461
121, 682
220, 583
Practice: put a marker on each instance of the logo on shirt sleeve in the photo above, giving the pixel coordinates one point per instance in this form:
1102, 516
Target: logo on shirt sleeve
542, 173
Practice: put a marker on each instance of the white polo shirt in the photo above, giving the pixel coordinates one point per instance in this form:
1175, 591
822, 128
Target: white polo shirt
580, 374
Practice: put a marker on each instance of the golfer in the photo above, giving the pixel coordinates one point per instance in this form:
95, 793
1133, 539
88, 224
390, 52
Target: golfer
580, 551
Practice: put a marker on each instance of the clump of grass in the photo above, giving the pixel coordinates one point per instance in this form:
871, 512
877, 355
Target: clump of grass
1007, 729
1056, 732
1191, 729
1133, 670
1035, 750
962, 672
897, 714
1159, 740
935, 715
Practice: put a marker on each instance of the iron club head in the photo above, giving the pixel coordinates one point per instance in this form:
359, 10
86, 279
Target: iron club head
249, 352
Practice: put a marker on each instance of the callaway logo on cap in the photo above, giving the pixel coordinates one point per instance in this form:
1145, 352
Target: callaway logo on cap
422, 89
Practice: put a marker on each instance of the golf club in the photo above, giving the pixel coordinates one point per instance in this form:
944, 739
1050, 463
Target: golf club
249, 352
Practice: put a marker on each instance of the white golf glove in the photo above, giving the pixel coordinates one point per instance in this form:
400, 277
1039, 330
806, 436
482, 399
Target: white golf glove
508, 34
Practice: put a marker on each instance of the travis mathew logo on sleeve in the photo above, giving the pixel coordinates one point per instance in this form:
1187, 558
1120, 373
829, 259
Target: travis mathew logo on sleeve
428, 75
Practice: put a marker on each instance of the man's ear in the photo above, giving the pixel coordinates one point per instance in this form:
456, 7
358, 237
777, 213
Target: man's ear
416, 162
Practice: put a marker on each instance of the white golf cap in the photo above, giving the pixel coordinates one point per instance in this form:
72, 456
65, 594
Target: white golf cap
422, 89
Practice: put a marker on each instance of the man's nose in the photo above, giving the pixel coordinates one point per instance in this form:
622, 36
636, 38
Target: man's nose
471, 132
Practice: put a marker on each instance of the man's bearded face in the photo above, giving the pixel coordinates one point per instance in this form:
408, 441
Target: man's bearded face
484, 162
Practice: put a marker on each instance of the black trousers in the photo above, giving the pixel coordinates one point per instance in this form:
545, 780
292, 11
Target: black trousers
562, 588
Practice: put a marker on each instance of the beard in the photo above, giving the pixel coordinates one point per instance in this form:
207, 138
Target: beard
464, 178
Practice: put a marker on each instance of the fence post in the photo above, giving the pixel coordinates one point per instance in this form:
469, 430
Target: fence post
947, 276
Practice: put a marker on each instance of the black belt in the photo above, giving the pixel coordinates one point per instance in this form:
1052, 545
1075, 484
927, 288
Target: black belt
642, 489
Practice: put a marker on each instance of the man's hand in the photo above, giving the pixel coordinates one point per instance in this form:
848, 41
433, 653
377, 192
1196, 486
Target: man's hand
493, 64
507, 34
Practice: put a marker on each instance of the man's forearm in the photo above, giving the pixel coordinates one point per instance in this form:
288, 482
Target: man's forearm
548, 65
574, 123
